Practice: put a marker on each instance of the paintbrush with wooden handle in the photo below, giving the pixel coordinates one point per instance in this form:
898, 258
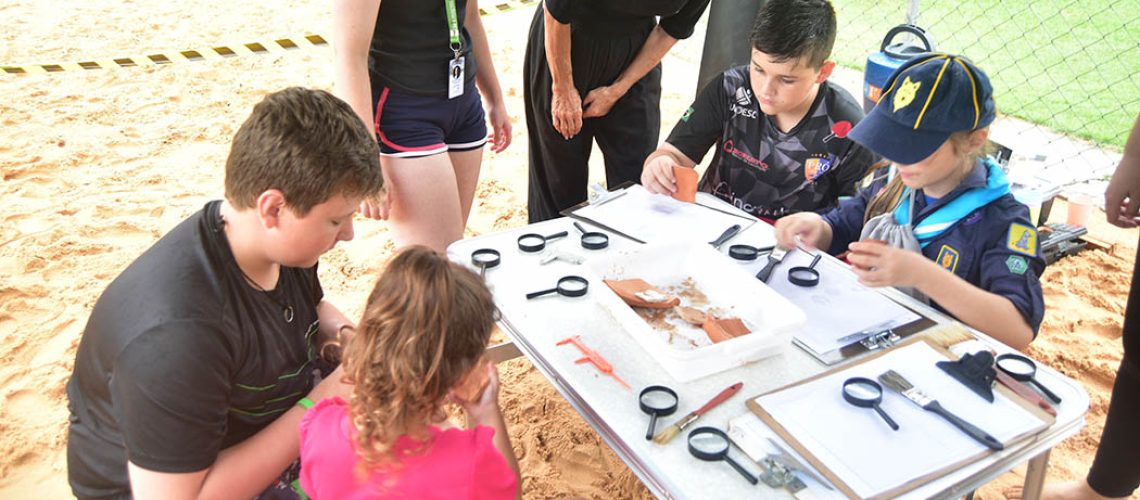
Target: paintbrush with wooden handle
672, 431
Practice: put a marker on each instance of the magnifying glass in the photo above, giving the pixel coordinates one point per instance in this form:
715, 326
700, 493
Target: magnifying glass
711, 444
866, 393
657, 401
805, 276
1024, 369
534, 242
568, 286
746, 253
593, 240
484, 259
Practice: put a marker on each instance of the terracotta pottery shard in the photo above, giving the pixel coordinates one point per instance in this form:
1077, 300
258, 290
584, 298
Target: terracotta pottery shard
691, 315
638, 293
686, 183
721, 329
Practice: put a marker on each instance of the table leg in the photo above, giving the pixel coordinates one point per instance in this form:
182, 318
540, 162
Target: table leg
503, 352
1035, 476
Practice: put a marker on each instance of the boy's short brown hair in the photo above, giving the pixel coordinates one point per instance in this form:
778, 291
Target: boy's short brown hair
793, 29
306, 143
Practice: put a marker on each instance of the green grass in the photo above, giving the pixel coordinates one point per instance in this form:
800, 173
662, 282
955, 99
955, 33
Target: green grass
1070, 65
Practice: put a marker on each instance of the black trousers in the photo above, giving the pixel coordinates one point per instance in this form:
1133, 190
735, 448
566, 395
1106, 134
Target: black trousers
1115, 471
559, 168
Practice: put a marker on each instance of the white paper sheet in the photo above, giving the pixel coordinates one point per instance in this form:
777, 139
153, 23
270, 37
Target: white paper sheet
657, 218
828, 305
857, 446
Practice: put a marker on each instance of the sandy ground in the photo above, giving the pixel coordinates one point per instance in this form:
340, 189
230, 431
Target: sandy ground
98, 165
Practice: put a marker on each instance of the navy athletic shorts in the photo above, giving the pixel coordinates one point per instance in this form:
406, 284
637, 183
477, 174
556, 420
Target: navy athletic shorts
411, 125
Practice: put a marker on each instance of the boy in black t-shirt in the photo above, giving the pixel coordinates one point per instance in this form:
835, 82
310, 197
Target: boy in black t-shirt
779, 127
190, 368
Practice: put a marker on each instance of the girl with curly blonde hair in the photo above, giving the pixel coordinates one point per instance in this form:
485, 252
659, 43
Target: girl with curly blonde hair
419, 345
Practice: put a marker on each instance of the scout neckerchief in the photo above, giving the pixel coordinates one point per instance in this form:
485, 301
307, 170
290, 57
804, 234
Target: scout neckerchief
946, 216
455, 67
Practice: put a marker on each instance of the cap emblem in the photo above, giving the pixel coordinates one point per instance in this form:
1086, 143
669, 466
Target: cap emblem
904, 95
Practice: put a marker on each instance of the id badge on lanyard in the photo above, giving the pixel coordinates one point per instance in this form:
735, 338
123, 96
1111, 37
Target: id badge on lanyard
455, 77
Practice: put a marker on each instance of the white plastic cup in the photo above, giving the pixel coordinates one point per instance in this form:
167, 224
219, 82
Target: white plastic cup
1080, 209
1031, 199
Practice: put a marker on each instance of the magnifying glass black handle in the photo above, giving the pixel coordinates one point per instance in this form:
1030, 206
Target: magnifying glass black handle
886, 418
743, 472
1044, 390
557, 235
652, 426
540, 293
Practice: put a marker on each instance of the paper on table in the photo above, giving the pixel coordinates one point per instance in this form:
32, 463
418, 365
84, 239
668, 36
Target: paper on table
658, 218
871, 459
829, 304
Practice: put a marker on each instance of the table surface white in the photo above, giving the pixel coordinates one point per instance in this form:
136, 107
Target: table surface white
669, 470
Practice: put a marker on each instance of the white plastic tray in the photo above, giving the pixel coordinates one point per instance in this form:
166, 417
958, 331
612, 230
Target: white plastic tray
688, 354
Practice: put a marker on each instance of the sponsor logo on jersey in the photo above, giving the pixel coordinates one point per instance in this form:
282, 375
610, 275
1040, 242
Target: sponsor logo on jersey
743, 96
744, 156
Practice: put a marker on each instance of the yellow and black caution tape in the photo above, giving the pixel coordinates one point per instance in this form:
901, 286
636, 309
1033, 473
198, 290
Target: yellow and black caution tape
275, 46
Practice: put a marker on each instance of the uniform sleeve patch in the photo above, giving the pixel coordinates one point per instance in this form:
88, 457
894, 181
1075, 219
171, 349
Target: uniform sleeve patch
688, 114
947, 258
1022, 239
1016, 264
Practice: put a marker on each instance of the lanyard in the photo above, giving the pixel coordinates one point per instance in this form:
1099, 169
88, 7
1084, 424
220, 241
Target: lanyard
453, 27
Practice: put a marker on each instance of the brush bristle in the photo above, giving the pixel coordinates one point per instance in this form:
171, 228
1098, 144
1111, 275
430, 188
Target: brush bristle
948, 334
666, 435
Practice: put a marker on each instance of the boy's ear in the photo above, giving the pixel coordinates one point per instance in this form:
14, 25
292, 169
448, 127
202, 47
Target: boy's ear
825, 71
269, 206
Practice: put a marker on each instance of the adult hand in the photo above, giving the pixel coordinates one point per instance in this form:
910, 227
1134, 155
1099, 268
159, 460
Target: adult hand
600, 100
1122, 197
878, 265
657, 175
487, 405
566, 112
803, 227
380, 206
500, 127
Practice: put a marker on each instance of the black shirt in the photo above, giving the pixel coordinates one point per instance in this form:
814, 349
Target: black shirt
411, 47
182, 358
762, 170
624, 17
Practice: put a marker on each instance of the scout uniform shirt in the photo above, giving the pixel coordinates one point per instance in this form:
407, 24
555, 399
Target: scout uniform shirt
994, 248
758, 168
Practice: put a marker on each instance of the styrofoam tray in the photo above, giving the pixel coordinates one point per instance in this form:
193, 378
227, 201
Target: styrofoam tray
684, 350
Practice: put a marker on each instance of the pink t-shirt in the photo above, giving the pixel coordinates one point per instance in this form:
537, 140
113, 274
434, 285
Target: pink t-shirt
460, 463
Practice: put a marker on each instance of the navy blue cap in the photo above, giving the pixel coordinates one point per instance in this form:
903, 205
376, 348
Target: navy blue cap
928, 98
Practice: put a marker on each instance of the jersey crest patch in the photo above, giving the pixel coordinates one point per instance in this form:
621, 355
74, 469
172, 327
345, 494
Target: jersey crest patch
904, 95
1022, 239
815, 167
947, 258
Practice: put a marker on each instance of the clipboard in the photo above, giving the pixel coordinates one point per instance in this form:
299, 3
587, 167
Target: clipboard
849, 469
718, 218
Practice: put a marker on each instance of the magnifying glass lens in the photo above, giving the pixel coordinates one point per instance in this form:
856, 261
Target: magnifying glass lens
1017, 367
572, 286
863, 391
658, 399
594, 239
532, 241
709, 444
485, 259
802, 274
